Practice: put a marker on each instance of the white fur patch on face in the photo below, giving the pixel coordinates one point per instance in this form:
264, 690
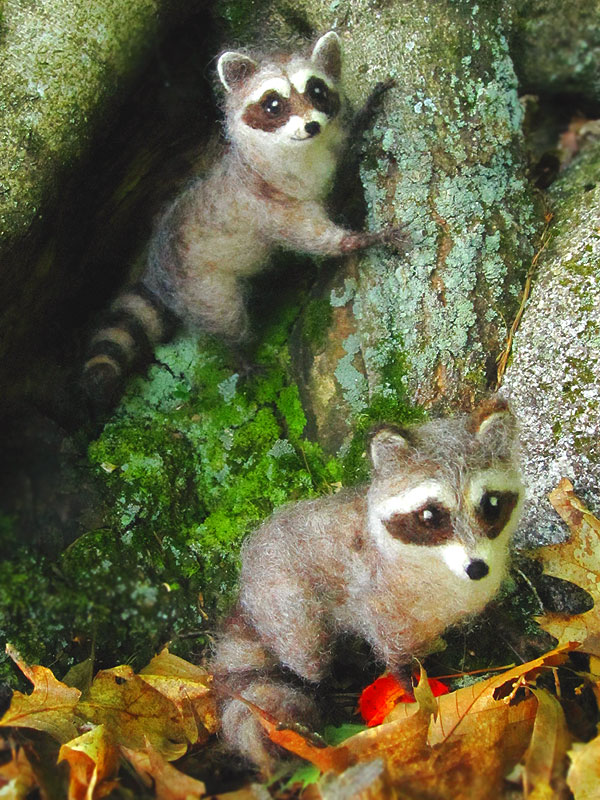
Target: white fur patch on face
279, 85
416, 497
456, 558
295, 127
300, 77
493, 480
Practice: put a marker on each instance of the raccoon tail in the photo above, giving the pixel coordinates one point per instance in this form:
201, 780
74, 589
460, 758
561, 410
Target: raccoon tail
246, 682
135, 323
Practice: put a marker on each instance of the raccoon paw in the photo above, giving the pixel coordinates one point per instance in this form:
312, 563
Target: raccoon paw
396, 238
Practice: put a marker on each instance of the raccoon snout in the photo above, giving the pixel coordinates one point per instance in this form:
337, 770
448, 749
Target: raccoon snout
312, 128
477, 569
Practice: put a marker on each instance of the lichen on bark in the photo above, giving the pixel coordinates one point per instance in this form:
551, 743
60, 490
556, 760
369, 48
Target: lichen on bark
445, 160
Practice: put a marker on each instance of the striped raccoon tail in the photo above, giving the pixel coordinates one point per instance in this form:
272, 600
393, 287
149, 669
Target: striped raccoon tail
246, 676
135, 323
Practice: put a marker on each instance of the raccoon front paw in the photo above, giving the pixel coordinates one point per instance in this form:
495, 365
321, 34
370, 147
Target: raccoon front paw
396, 238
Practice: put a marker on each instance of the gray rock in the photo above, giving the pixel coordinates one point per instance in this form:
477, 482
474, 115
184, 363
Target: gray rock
66, 66
553, 380
556, 46
444, 159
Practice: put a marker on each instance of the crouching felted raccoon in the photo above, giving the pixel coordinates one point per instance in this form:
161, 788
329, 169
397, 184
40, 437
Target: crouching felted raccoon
396, 561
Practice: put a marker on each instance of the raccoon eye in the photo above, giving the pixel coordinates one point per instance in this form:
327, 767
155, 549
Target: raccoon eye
494, 511
317, 92
272, 104
433, 516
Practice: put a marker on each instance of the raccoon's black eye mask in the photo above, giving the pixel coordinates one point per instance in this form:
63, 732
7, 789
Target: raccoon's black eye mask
429, 525
321, 97
494, 511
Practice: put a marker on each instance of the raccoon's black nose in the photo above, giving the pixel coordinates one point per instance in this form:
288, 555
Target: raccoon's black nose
312, 128
477, 570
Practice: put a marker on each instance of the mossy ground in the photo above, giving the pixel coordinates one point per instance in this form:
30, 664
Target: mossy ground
191, 461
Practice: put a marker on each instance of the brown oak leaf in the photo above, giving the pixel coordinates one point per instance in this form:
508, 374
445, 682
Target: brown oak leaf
576, 560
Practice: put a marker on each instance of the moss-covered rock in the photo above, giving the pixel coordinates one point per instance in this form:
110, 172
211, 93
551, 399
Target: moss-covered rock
63, 64
66, 68
554, 377
444, 159
557, 47
191, 460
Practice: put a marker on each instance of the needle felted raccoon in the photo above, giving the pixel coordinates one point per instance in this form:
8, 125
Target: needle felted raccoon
395, 562
285, 133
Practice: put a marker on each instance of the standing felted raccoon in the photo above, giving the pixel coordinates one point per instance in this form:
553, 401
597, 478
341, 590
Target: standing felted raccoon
422, 546
287, 128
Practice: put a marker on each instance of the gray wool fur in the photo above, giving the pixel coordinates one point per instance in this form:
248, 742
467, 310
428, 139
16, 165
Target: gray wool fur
423, 546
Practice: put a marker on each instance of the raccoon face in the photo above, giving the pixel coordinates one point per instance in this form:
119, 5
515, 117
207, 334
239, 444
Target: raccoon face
283, 103
455, 513
292, 108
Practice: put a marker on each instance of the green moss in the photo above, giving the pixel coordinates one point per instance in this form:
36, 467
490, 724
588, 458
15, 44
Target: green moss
390, 403
316, 321
114, 592
191, 461
194, 459
239, 15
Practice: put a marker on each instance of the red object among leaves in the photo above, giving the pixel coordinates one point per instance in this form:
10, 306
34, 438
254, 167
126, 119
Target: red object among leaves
380, 697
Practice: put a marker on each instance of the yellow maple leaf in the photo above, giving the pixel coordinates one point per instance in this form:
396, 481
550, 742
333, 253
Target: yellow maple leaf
188, 687
93, 761
133, 711
50, 707
576, 560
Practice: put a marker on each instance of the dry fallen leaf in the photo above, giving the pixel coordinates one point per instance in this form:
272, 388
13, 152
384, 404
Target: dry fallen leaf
578, 561
156, 713
134, 711
550, 740
326, 758
93, 761
168, 782
459, 745
50, 707
583, 776
365, 781
187, 686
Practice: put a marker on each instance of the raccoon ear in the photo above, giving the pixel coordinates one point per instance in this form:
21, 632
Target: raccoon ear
494, 425
387, 443
327, 54
234, 69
